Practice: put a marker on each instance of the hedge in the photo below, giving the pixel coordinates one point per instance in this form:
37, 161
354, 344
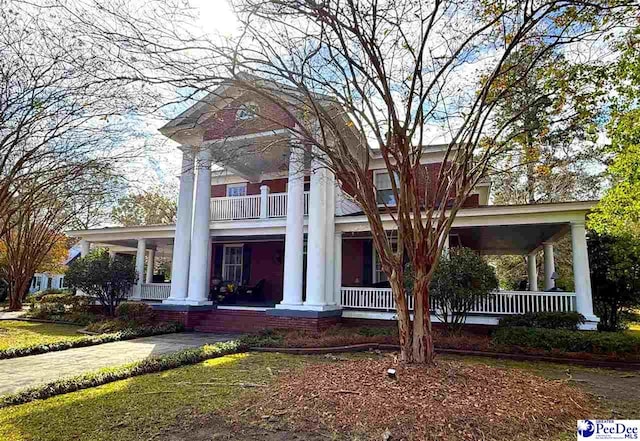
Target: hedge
568, 341
127, 334
550, 320
108, 375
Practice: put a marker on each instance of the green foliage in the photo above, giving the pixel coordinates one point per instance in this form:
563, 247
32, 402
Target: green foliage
615, 278
266, 338
91, 340
107, 279
568, 341
137, 312
103, 376
62, 307
550, 320
152, 207
460, 280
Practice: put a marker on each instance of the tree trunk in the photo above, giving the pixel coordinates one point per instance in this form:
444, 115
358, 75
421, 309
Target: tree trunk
422, 336
17, 289
404, 318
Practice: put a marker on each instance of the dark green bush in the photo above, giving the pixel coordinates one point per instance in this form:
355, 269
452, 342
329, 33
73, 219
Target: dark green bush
379, 331
62, 306
264, 338
103, 376
550, 320
568, 341
135, 312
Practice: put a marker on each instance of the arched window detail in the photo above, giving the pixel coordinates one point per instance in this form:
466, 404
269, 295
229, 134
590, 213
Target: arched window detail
247, 111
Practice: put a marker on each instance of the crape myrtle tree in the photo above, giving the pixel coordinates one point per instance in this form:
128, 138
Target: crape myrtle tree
356, 77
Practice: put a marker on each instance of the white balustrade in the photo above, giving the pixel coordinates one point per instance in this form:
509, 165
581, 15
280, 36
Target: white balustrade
500, 302
248, 207
235, 207
155, 291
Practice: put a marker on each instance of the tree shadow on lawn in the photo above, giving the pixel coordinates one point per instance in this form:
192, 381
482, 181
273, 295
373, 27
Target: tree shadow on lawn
169, 405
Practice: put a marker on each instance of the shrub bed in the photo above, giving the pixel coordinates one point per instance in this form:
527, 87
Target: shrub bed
568, 341
126, 334
62, 306
103, 376
550, 320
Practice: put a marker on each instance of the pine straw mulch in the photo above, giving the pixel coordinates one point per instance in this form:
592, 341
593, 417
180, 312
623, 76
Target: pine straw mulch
451, 401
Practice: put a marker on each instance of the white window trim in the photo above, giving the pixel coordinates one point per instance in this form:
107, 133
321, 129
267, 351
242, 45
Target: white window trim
376, 173
224, 255
242, 185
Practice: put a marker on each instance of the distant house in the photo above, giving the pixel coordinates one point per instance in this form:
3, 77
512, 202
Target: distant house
271, 242
42, 281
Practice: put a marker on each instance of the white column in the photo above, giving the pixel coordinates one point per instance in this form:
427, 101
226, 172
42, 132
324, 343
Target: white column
581, 274
142, 245
294, 234
533, 272
200, 238
84, 248
445, 246
151, 263
317, 236
264, 201
330, 239
549, 266
337, 267
182, 241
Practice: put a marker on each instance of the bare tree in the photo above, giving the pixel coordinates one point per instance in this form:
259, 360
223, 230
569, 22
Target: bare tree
361, 78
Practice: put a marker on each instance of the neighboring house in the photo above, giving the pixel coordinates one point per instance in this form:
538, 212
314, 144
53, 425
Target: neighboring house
280, 249
42, 281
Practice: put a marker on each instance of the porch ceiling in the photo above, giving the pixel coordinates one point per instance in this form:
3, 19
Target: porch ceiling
507, 239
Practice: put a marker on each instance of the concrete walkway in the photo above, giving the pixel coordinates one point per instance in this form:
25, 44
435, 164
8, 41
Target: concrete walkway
19, 373
11, 315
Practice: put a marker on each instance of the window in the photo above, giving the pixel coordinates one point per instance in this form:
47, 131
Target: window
384, 192
232, 263
246, 112
61, 282
235, 190
378, 274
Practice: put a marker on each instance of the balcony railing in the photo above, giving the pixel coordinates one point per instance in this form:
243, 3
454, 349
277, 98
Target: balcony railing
274, 205
500, 302
151, 291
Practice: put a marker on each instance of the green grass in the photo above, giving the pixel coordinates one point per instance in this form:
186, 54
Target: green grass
18, 334
144, 407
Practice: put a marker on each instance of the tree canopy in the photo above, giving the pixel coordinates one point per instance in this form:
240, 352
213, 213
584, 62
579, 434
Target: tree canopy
152, 207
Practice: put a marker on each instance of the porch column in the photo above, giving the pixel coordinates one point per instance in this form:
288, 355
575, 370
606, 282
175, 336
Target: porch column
151, 263
294, 233
337, 268
581, 274
317, 236
142, 248
200, 239
330, 239
549, 266
84, 248
182, 241
264, 201
533, 272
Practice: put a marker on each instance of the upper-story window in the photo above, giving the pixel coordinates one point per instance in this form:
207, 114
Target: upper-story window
234, 190
247, 111
384, 191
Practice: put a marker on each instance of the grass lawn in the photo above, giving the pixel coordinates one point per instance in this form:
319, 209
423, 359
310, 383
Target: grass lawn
18, 334
222, 399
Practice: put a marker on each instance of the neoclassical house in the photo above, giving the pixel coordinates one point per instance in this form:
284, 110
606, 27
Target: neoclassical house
266, 239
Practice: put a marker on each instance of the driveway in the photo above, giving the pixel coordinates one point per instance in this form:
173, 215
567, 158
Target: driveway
22, 372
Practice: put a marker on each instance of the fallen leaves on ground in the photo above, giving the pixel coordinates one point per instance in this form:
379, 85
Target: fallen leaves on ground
449, 401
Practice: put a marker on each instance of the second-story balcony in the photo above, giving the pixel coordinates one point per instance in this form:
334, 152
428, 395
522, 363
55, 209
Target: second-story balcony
260, 206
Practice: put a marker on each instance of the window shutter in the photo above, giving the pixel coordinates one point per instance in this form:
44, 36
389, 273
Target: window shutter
246, 264
367, 267
217, 262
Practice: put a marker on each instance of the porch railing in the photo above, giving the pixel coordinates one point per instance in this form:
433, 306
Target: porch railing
250, 207
154, 291
500, 302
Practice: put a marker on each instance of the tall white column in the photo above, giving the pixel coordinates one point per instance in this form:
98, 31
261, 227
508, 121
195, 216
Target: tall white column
142, 248
581, 274
151, 263
294, 234
330, 239
317, 236
549, 266
337, 267
264, 201
84, 248
200, 238
533, 272
182, 241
